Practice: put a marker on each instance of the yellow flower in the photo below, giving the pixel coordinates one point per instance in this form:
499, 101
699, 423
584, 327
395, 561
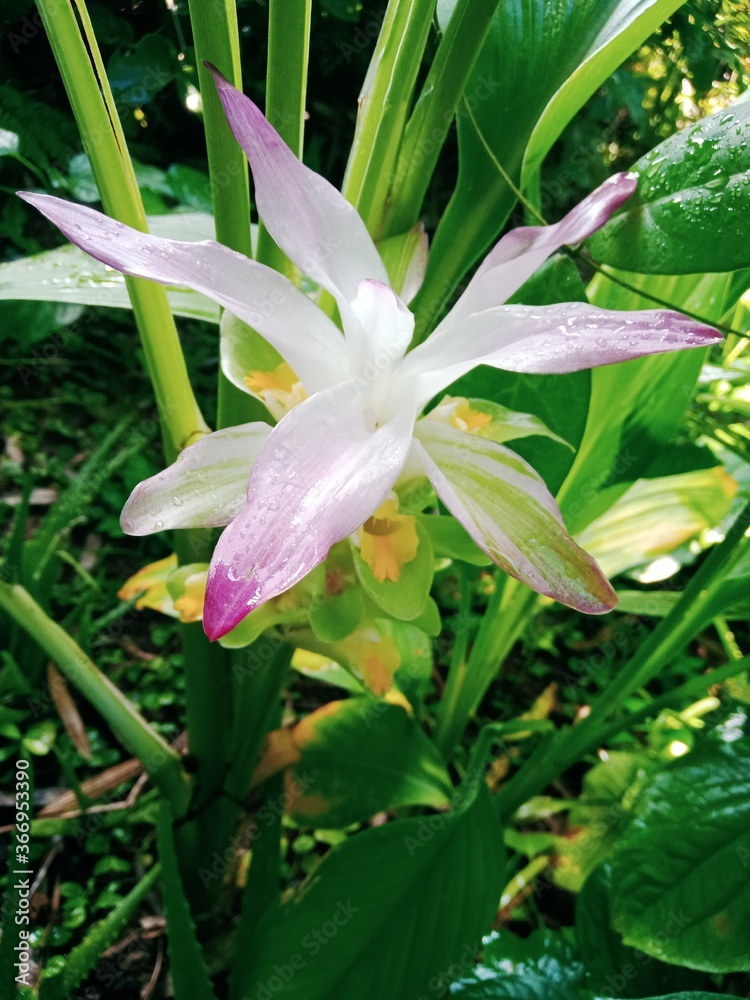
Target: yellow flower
388, 541
455, 411
151, 583
279, 389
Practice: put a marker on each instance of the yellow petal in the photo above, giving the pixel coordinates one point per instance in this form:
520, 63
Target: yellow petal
151, 583
282, 377
190, 604
388, 541
466, 419
279, 389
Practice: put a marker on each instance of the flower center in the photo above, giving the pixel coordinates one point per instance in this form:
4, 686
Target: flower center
279, 389
388, 541
456, 412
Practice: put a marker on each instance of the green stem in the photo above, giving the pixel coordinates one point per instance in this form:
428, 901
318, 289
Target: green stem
564, 748
506, 615
383, 107
258, 674
435, 109
94, 109
216, 40
691, 613
159, 759
286, 92
693, 688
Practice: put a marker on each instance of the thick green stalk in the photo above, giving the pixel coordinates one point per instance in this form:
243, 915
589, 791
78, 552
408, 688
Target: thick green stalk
258, 675
159, 759
435, 110
383, 107
86, 84
216, 40
286, 92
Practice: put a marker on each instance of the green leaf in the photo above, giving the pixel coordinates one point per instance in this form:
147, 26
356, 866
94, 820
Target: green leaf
8, 142
690, 210
559, 402
414, 674
142, 71
387, 911
335, 616
428, 620
509, 425
655, 603
190, 187
405, 598
555, 53
362, 756
699, 995
652, 394
681, 871
523, 986
327, 671
27, 322
451, 540
544, 964
69, 275
597, 815
40, 738
557, 280
611, 966
656, 516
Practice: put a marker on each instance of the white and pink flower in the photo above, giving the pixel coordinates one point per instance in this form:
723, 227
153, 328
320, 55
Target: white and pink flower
289, 492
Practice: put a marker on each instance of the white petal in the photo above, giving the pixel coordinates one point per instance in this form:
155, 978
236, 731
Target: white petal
545, 340
205, 487
378, 331
260, 296
311, 221
510, 514
522, 251
320, 476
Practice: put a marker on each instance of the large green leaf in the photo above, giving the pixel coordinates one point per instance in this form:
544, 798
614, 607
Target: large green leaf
656, 516
388, 911
543, 965
611, 966
541, 62
690, 210
69, 275
516, 986
637, 407
359, 757
680, 873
